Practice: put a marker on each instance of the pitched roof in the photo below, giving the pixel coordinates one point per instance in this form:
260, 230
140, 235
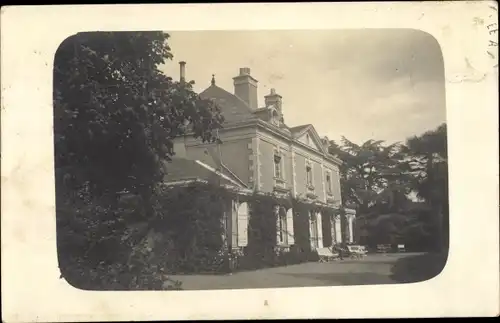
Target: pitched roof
234, 110
232, 107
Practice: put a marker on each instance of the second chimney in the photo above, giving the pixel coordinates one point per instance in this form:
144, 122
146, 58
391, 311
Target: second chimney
183, 71
273, 99
245, 87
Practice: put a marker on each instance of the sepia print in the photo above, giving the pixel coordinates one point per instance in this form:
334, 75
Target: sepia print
194, 160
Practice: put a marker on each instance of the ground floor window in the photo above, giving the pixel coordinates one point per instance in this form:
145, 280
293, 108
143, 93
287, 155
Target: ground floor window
282, 226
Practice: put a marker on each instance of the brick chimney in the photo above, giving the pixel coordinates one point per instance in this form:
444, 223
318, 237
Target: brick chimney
182, 71
273, 99
245, 87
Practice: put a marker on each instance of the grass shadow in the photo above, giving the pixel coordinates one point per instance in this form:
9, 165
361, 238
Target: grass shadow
345, 279
418, 268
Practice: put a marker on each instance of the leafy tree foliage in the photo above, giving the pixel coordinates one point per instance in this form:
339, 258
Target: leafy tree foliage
378, 179
115, 115
429, 165
371, 173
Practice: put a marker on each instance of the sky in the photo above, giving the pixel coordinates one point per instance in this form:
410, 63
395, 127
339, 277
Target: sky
361, 84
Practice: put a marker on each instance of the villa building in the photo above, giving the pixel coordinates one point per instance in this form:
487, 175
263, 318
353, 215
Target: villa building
260, 153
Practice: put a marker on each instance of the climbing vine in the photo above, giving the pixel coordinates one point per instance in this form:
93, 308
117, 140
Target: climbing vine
190, 222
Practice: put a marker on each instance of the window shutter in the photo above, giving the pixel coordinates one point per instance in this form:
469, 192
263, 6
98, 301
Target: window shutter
289, 227
320, 230
234, 224
243, 225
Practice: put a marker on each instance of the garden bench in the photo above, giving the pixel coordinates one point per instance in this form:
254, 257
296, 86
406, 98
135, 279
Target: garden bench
356, 251
383, 248
326, 254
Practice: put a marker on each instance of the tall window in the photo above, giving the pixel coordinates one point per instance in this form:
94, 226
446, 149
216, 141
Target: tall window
277, 166
309, 177
329, 182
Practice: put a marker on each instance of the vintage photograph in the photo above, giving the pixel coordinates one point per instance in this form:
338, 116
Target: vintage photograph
203, 160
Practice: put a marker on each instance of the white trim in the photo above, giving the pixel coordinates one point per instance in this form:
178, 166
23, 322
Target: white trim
184, 182
217, 172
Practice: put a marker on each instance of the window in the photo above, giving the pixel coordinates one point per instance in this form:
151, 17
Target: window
329, 182
284, 223
309, 175
277, 166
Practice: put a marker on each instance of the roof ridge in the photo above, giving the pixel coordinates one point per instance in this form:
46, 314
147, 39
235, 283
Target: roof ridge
218, 87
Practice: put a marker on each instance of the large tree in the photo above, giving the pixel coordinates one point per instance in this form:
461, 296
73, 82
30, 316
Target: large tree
429, 165
378, 180
115, 115
115, 112
371, 173
375, 180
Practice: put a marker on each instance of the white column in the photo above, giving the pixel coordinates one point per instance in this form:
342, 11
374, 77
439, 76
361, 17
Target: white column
338, 229
311, 223
319, 225
351, 235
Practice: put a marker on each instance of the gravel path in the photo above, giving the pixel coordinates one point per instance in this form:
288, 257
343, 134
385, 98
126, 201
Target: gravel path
373, 269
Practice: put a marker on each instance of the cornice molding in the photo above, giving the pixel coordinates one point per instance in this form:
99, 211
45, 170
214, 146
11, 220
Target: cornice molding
286, 136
